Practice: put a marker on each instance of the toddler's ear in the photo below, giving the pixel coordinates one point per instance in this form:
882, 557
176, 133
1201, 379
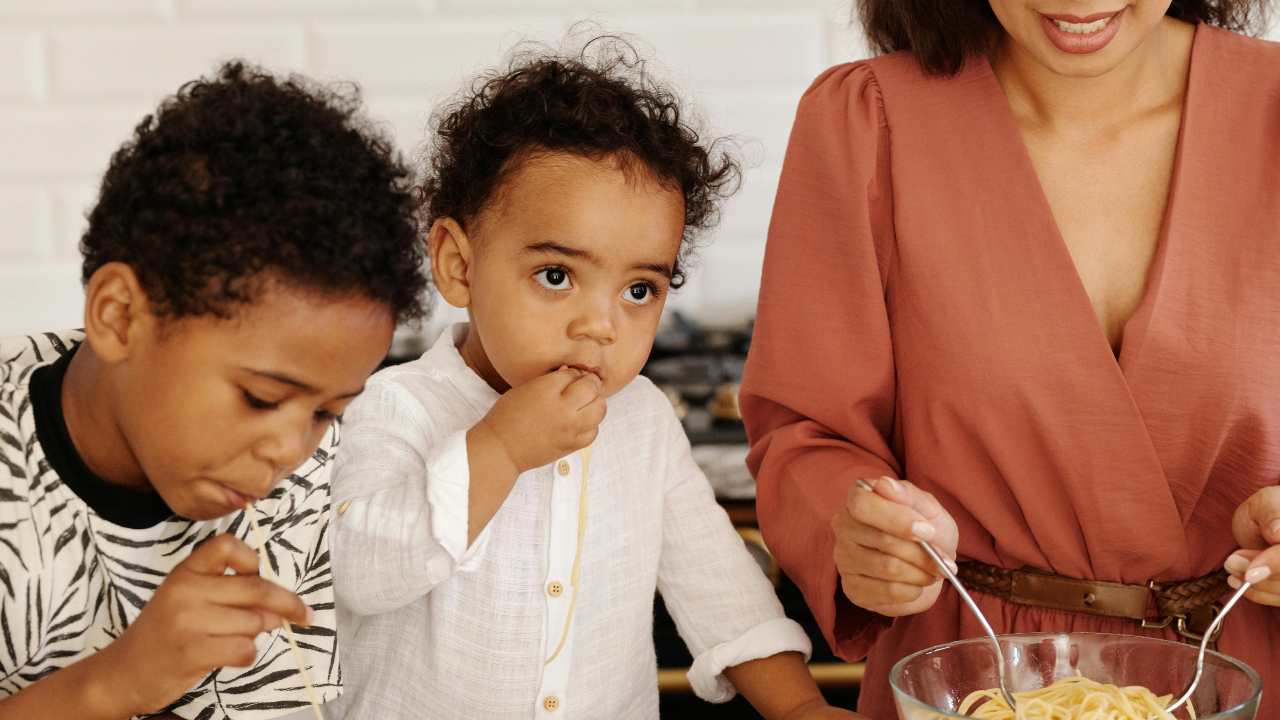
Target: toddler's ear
450, 251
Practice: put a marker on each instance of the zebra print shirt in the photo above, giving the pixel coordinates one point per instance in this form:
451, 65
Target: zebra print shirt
71, 581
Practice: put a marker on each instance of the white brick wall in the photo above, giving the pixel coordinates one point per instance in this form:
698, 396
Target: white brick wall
76, 75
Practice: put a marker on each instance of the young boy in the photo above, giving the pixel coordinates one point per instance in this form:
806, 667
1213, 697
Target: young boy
498, 539
250, 253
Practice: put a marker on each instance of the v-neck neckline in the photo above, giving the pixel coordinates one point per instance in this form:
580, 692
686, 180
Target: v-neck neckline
1135, 327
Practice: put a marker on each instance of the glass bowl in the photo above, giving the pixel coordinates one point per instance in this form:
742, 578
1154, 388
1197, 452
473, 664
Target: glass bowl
930, 684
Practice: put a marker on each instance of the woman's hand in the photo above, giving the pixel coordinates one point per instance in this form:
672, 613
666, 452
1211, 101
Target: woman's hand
1256, 526
882, 567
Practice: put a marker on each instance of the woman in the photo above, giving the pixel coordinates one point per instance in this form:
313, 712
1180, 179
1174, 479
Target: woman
1028, 266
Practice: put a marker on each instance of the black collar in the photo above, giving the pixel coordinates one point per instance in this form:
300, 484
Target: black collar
124, 506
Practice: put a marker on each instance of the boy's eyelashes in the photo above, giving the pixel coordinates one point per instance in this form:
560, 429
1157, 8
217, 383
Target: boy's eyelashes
257, 403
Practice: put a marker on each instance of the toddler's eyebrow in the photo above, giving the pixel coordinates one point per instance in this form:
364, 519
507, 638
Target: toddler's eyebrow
663, 269
558, 249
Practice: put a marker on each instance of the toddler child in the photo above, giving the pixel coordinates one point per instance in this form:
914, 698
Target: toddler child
499, 536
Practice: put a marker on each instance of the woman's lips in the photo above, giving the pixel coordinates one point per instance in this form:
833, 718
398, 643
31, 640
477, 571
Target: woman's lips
1081, 35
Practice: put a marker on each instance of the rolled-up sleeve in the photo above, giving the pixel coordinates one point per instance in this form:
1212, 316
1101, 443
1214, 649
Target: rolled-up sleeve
401, 494
724, 607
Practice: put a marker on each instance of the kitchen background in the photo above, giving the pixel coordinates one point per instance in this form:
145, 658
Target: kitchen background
77, 75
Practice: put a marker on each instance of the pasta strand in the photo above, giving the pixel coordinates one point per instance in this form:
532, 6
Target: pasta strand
1072, 698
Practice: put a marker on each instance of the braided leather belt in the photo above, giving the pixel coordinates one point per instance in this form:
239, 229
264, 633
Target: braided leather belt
1189, 606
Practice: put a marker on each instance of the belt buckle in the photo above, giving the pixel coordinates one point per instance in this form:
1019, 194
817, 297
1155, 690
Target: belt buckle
1163, 621
1181, 624
1184, 629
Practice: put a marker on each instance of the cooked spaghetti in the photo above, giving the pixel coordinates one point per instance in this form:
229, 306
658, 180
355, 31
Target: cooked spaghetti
1073, 698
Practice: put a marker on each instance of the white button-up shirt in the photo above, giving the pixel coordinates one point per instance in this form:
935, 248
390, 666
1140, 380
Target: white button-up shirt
431, 628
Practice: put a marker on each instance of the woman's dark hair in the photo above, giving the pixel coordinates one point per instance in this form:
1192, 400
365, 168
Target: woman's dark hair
244, 177
599, 103
944, 33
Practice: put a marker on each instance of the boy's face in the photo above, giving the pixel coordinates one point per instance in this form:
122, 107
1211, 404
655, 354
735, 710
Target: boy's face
572, 264
217, 411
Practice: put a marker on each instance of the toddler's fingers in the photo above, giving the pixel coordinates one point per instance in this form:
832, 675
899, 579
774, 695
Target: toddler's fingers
593, 413
582, 391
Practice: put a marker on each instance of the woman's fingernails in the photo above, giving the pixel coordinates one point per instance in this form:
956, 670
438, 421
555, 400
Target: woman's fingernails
1234, 582
1235, 564
922, 530
1258, 574
1274, 530
951, 565
893, 484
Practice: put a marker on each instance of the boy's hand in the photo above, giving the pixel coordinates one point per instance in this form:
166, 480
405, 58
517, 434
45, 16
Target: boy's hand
199, 619
548, 417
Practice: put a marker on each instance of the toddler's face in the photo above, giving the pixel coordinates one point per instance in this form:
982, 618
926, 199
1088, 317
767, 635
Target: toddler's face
572, 265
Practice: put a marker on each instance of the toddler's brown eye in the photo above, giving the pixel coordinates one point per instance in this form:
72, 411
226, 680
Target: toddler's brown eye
553, 278
639, 294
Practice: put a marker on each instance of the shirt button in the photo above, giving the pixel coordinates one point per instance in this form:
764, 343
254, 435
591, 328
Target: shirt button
555, 588
562, 467
342, 509
551, 703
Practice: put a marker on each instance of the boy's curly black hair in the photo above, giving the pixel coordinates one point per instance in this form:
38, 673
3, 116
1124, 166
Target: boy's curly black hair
599, 103
244, 177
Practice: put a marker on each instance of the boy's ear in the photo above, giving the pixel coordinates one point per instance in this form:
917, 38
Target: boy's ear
451, 254
117, 314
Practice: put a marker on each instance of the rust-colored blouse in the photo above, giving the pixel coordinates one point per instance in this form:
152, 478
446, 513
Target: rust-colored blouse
920, 317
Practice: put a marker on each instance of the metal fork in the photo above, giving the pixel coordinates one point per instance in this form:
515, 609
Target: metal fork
1204, 645
973, 608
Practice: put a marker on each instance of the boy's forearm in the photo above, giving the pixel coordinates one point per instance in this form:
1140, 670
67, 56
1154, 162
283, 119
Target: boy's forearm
776, 686
76, 691
492, 477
